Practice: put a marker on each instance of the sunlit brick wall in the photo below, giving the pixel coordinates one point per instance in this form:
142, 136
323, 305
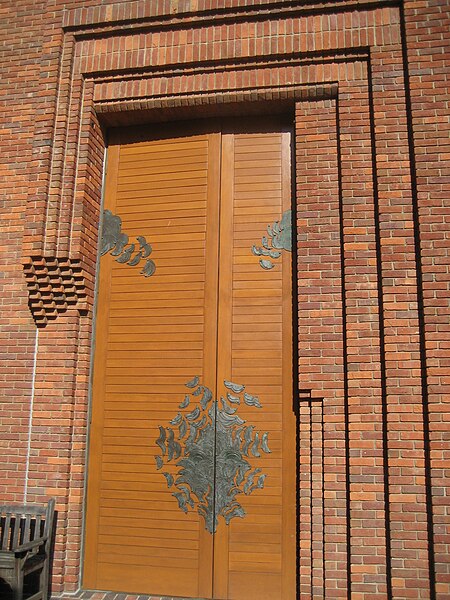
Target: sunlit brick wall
366, 84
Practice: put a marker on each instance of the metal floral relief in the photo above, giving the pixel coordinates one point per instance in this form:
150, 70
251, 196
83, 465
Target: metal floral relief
213, 449
280, 234
116, 242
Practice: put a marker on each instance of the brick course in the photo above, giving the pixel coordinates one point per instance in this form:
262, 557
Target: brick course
366, 84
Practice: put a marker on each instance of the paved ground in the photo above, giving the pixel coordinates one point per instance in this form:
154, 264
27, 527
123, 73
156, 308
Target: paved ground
6, 594
83, 595
90, 595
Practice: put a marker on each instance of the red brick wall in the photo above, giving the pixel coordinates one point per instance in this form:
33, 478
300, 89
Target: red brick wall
426, 31
367, 86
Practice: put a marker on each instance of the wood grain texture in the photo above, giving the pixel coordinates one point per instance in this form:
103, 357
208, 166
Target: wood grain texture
164, 190
210, 310
258, 162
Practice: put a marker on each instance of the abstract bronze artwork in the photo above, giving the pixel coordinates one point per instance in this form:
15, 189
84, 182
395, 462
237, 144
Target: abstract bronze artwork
213, 449
280, 234
116, 242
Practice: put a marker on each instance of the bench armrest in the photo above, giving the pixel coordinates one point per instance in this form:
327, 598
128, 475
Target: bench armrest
30, 545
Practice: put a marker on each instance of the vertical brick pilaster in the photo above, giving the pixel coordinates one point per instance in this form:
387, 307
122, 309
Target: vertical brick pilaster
427, 58
320, 351
77, 457
85, 213
305, 502
51, 447
410, 568
367, 471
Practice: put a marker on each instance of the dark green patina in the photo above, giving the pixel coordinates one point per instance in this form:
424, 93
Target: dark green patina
115, 242
212, 448
280, 234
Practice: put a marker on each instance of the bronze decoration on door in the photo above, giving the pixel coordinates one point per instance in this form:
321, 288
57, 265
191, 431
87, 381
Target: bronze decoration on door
212, 447
115, 241
280, 234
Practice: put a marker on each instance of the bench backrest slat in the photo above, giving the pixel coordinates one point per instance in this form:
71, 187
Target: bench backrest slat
6, 531
15, 531
37, 528
26, 530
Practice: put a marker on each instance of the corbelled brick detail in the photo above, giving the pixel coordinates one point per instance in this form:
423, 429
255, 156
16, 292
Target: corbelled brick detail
366, 84
53, 286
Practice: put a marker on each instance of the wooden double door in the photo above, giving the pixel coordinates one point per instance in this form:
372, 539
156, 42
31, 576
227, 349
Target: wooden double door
191, 480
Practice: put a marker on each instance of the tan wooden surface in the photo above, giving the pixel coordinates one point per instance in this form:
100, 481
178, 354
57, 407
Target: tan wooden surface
256, 350
153, 335
202, 201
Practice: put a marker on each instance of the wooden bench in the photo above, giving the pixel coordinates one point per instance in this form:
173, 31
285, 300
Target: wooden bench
25, 540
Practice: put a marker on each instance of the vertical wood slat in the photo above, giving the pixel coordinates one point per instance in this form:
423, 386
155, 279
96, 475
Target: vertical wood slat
38, 524
205, 575
26, 529
2, 531
7, 532
224, 348
15, 530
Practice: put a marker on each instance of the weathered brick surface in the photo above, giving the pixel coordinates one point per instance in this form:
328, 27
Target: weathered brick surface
367, 86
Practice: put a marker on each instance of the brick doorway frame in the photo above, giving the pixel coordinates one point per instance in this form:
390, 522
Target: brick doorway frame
340, 66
